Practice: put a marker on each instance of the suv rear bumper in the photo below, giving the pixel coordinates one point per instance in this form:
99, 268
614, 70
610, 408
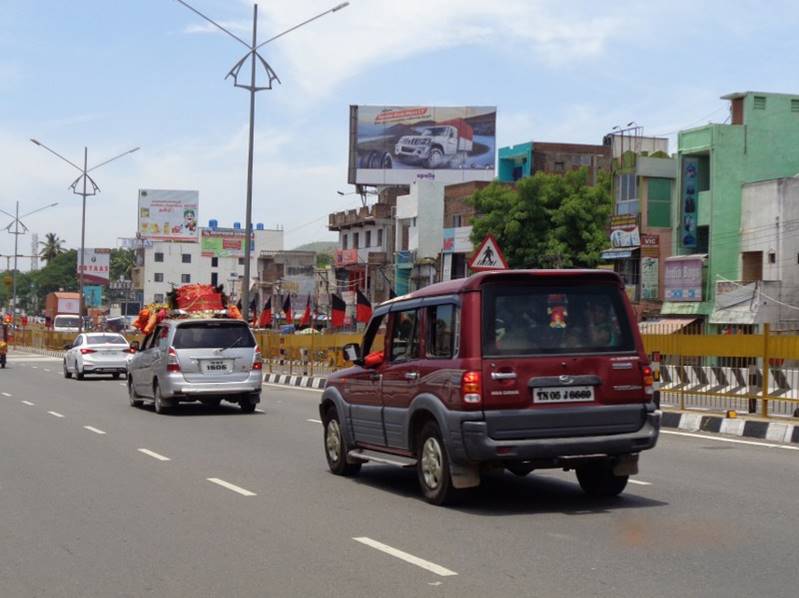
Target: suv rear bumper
474, 445
176, 386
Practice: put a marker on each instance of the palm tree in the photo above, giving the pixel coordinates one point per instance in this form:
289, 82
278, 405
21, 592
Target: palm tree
53, 246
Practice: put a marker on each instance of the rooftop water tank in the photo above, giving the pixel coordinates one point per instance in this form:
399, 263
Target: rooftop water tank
259, 226
237, 225
213, 224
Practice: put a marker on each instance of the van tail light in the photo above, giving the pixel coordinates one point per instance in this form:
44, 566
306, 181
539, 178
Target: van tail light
471, 389
257, 360
87, 351
172, 363
648, 380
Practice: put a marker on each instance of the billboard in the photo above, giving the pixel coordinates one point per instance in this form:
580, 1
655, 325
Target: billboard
217, 243
624, 232
96, 266
683, 278
690, 180
397, 145
168, 215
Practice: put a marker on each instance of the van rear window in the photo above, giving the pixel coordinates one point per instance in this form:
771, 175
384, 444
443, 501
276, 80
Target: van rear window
213, 335
535, 320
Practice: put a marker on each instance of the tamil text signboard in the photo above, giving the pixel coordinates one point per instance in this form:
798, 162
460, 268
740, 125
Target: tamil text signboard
168, 215
217, 243
397, 145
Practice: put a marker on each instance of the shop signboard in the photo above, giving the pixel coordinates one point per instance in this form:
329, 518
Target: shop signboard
690, 180
398, 145
650, 262
457, 240
168, 215
345, 257
624, 232
683, 278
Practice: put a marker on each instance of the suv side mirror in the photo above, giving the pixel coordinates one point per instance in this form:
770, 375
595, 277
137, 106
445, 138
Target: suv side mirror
352, 352
67, 346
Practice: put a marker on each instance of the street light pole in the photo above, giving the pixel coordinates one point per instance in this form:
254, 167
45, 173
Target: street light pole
253, 87
16, 232
85, 178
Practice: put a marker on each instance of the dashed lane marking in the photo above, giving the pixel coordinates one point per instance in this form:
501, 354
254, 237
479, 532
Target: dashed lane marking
46, 370
55, 414
122, 384
93, 429
314, 421
732, 440
639, 482
233, 487
153, 454
408, 558
260, 410
27, 403
5, 394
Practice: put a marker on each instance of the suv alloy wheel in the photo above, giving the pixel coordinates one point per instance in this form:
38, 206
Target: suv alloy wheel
432, 466
335, 447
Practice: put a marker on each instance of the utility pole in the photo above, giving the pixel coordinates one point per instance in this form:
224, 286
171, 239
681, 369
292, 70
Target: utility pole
85, 178
255, 57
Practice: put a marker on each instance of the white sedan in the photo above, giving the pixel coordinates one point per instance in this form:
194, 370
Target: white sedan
97, 353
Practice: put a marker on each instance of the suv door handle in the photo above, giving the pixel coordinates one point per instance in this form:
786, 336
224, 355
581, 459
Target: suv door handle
411, 375
503, 375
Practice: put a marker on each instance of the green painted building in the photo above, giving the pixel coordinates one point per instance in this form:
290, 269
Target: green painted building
760, 142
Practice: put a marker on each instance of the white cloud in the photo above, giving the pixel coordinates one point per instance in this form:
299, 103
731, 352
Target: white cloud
374, 33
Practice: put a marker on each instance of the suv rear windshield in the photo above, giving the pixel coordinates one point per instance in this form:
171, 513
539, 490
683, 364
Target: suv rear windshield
540, 320
213, 335
66, 322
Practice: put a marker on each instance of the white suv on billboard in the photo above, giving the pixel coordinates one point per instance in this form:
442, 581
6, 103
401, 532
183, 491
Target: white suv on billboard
436, 146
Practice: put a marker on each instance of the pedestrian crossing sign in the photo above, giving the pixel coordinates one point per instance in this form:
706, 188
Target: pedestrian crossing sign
488, 257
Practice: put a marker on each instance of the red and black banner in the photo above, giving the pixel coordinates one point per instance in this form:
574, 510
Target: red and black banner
306, 315
338, 310
287, 310
363, 309
265, 321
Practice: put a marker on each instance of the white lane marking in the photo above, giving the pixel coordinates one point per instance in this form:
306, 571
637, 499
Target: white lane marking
314, 421
55, 413
639, 482
123, 384
287, 387
230, 486
35, 367
260, 410
27, 403
46, 370
153, 454
719, 439
93, 429
408, 558
5, 394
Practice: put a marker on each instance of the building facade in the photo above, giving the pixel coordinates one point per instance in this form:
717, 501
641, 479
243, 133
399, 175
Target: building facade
714, 163
525, 159
216, 258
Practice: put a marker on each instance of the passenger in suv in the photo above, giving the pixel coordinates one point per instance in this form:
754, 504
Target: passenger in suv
520, 369
197, 360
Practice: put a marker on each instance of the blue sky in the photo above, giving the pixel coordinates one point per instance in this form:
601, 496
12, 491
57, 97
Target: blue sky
115, 74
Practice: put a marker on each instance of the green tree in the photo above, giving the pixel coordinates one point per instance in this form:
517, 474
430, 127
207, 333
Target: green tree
52, 246
122, 263
546, 220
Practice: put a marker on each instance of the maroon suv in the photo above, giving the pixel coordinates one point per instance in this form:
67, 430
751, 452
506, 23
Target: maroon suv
519, 369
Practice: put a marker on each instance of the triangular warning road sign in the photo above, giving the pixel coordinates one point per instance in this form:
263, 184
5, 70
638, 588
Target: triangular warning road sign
488, 257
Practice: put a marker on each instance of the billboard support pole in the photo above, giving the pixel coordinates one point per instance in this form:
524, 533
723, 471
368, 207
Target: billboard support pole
85, 178
253, 87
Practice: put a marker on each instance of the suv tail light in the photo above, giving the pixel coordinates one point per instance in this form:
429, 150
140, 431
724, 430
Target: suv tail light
471, 389
648, 380
257, 360
172, 363
87, 351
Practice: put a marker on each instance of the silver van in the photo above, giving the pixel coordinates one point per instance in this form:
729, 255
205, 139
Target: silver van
196, 360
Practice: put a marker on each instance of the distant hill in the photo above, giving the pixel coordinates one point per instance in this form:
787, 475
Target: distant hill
328, 247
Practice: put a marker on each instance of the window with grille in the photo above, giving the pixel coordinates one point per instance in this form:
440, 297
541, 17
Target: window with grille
760, 102
158, 257
185, 278
185, 258
794, 105
158, 277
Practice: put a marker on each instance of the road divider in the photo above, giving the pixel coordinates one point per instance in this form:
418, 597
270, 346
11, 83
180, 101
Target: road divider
233, 487
404, 556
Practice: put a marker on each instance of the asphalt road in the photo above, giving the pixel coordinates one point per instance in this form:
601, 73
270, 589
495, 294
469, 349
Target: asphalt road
101, 499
